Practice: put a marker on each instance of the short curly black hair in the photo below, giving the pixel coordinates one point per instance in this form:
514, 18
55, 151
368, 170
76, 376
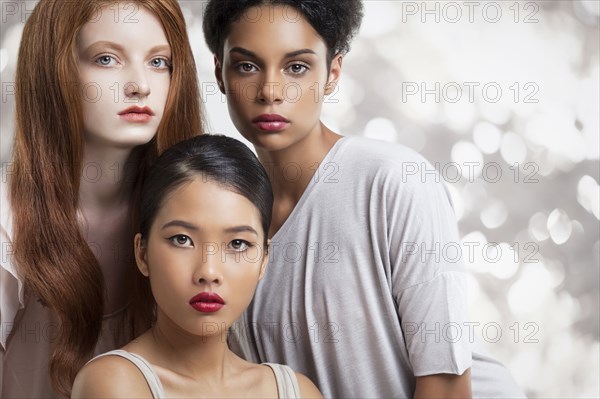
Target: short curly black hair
337, 21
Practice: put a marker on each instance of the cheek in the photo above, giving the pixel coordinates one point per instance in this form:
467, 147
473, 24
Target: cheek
254, 257
243, 276
241, 90
96, 108
159, 95
312, 90
85, 74
243, 288
235, 109
99, 93
239, 116
163, 272
168, 290
160, 86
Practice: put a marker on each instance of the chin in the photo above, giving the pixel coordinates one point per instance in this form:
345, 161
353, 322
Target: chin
136, 138
271, 142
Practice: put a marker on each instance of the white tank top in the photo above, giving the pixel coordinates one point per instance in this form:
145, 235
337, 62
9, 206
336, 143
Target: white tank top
287, 383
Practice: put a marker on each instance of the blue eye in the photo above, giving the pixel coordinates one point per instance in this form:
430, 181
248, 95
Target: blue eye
105, 60
160, 63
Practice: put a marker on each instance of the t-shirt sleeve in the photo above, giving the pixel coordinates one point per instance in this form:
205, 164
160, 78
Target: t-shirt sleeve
427, 274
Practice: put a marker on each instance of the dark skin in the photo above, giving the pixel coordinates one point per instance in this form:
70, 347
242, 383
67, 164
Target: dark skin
295, 57
263, 75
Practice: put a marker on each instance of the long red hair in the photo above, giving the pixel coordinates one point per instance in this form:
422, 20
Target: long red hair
51, 255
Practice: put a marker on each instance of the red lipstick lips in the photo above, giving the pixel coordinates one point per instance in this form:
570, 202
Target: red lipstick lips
137, 114
207, 302
270, 122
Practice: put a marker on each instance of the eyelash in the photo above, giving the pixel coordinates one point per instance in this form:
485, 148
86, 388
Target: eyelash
97, 61
174, 238
166, 61
239, 67
244, 242
305, 68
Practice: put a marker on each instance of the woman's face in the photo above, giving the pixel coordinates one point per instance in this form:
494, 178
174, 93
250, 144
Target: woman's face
124, 60
204, 256
274, 71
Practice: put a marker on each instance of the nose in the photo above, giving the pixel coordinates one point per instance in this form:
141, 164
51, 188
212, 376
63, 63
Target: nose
137, 86
271, 89
209, 267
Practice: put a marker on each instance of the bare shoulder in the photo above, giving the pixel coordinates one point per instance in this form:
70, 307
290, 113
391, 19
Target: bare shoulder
307, 388
110, 377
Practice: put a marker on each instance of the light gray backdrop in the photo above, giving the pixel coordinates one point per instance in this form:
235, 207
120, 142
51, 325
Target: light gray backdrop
502, 96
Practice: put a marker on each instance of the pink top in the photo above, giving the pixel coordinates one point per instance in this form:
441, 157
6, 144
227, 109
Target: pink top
28, 329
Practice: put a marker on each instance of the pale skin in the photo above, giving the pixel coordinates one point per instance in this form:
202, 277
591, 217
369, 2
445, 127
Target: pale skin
264, 71
120, 67
188, 348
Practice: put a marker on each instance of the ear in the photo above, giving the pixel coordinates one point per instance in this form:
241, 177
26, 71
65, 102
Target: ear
140, 255
335, 73
265, 261
219, 74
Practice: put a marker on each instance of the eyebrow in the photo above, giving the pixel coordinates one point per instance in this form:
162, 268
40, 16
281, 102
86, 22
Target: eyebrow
103, 43
241, 229
118, 47
159, 48
190, 226
180, 223
251, 54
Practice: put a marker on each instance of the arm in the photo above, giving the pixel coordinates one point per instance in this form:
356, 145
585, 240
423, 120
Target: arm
429, 283
444, 386
110, 377
307, 388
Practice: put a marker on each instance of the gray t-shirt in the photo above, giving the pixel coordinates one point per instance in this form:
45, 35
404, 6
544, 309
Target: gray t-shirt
359, 294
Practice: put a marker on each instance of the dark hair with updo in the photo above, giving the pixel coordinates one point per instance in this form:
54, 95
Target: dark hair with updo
220, 159
336, 21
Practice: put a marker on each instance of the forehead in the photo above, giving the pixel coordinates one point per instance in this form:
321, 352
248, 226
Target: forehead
124, 22
207, 203
268, 28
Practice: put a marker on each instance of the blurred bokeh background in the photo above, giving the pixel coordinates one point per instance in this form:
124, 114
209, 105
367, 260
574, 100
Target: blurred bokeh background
503, 98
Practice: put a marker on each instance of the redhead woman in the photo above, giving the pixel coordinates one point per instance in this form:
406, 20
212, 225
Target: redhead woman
103, 87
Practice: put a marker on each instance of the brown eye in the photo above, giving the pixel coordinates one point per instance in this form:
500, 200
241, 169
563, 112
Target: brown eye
298, 68
246, 67
239, 245
181, 240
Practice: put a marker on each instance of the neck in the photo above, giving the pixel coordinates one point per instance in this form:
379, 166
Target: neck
107, 177
291, 169
204, 358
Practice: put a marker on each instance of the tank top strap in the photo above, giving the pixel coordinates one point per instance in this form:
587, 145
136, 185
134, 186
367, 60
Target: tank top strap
146, 369
287, 382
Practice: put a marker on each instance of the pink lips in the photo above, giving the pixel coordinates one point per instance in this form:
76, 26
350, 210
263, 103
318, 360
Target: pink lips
207, 302
137, 114
271, 122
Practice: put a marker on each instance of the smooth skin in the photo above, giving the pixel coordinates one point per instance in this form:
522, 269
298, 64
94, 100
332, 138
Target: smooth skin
119, 67
289, 77
262, 58
205, 238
